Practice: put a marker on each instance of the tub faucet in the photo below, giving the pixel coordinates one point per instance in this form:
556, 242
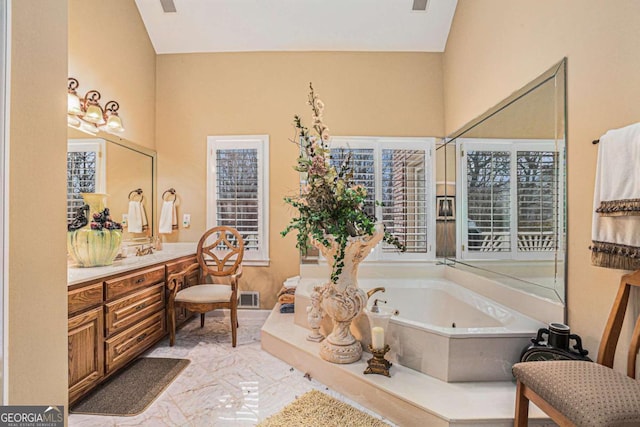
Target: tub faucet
374, 290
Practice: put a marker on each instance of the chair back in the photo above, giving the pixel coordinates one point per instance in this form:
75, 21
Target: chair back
612, 331
220, 251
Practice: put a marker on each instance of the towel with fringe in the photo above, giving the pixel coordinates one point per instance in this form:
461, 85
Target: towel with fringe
616, 201
168, 217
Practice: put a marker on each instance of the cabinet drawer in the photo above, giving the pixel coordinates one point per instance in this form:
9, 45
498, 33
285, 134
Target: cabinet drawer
122, 313
126, 284
125, 346
85, 297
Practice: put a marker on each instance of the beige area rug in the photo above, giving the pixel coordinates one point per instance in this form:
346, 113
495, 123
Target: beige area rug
131, 391
317, 409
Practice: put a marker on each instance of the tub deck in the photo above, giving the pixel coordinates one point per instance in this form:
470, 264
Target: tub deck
408, 398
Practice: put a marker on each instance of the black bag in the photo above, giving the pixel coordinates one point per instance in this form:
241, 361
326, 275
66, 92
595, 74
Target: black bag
556, 346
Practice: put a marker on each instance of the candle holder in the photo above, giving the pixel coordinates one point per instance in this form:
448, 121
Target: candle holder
378, 364
378, 322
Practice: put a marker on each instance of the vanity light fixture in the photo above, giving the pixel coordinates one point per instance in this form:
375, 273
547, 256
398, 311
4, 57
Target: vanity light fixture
73, 102
114, 124
87, 115
92, 111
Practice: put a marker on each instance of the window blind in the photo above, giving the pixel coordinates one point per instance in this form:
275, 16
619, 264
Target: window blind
404, 206
537, 189
488, 200
237, 196
362, 162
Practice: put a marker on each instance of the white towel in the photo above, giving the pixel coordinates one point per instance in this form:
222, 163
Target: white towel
168, 217
143, 214
134, 219
616, 201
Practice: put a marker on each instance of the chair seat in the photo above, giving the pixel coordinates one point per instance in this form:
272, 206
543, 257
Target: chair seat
587, 393
205, 294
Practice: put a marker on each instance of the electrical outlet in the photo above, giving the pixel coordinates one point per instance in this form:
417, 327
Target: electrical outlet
186, 220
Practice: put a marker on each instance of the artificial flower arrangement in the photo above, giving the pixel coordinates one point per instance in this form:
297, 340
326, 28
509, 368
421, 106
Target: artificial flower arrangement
330, 203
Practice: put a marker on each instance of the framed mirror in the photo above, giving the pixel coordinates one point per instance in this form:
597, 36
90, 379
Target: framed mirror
105, 163
505, 173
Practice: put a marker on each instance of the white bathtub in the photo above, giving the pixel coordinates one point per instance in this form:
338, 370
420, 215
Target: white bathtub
442, 329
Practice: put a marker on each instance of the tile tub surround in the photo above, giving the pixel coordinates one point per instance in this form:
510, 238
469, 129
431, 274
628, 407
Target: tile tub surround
222, 386
485, 342
408, 397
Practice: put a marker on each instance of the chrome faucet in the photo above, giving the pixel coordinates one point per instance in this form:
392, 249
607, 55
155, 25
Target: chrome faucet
374, 290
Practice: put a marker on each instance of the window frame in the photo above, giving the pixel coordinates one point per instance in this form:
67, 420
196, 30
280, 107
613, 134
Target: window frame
404, 143
261, 144
98, 146
513, 146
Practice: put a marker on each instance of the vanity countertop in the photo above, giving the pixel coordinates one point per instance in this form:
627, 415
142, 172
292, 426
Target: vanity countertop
169, 251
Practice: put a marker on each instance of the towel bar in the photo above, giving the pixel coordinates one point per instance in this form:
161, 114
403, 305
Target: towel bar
138, 192
171, 192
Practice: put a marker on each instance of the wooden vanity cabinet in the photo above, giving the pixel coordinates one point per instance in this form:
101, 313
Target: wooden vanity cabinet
86, 352
114, 319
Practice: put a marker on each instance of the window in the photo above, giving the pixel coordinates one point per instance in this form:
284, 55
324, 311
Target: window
85, 171
238, 190
397, 172
511, 191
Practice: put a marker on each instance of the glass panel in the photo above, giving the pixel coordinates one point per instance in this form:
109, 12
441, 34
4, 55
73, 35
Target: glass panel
237, 193
362, 163
404, 206
516, 195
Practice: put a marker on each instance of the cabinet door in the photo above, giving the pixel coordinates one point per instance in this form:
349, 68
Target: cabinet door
86, 352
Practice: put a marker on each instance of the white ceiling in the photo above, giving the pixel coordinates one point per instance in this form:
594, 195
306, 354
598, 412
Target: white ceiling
297, 25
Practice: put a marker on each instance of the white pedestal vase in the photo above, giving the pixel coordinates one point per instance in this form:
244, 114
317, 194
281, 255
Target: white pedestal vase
343, 301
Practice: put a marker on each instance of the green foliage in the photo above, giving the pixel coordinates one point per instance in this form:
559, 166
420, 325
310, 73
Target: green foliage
330, 203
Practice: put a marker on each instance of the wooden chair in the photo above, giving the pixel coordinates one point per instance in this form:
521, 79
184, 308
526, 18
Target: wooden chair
577, 393
219, 255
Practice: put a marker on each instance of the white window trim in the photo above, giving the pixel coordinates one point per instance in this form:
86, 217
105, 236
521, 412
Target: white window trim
410, 143
513, 146
98, 145
261, 143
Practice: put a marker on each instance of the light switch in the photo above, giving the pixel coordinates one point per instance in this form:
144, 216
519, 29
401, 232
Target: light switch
186, 220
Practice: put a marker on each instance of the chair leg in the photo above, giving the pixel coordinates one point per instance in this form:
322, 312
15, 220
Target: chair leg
234, 324
172, 325
202, 320
522, 407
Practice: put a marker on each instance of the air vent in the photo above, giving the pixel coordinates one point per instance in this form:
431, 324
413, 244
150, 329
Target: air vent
420, 5
249, 299
168, 6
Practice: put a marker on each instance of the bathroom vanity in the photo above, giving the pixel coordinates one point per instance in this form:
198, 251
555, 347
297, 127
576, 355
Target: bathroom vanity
119, 311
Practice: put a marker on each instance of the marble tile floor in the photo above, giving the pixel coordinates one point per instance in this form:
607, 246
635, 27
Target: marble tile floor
222, 386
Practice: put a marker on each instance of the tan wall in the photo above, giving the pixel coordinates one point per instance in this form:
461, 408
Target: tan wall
497, 46
110, 51
380, 94
37, 285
